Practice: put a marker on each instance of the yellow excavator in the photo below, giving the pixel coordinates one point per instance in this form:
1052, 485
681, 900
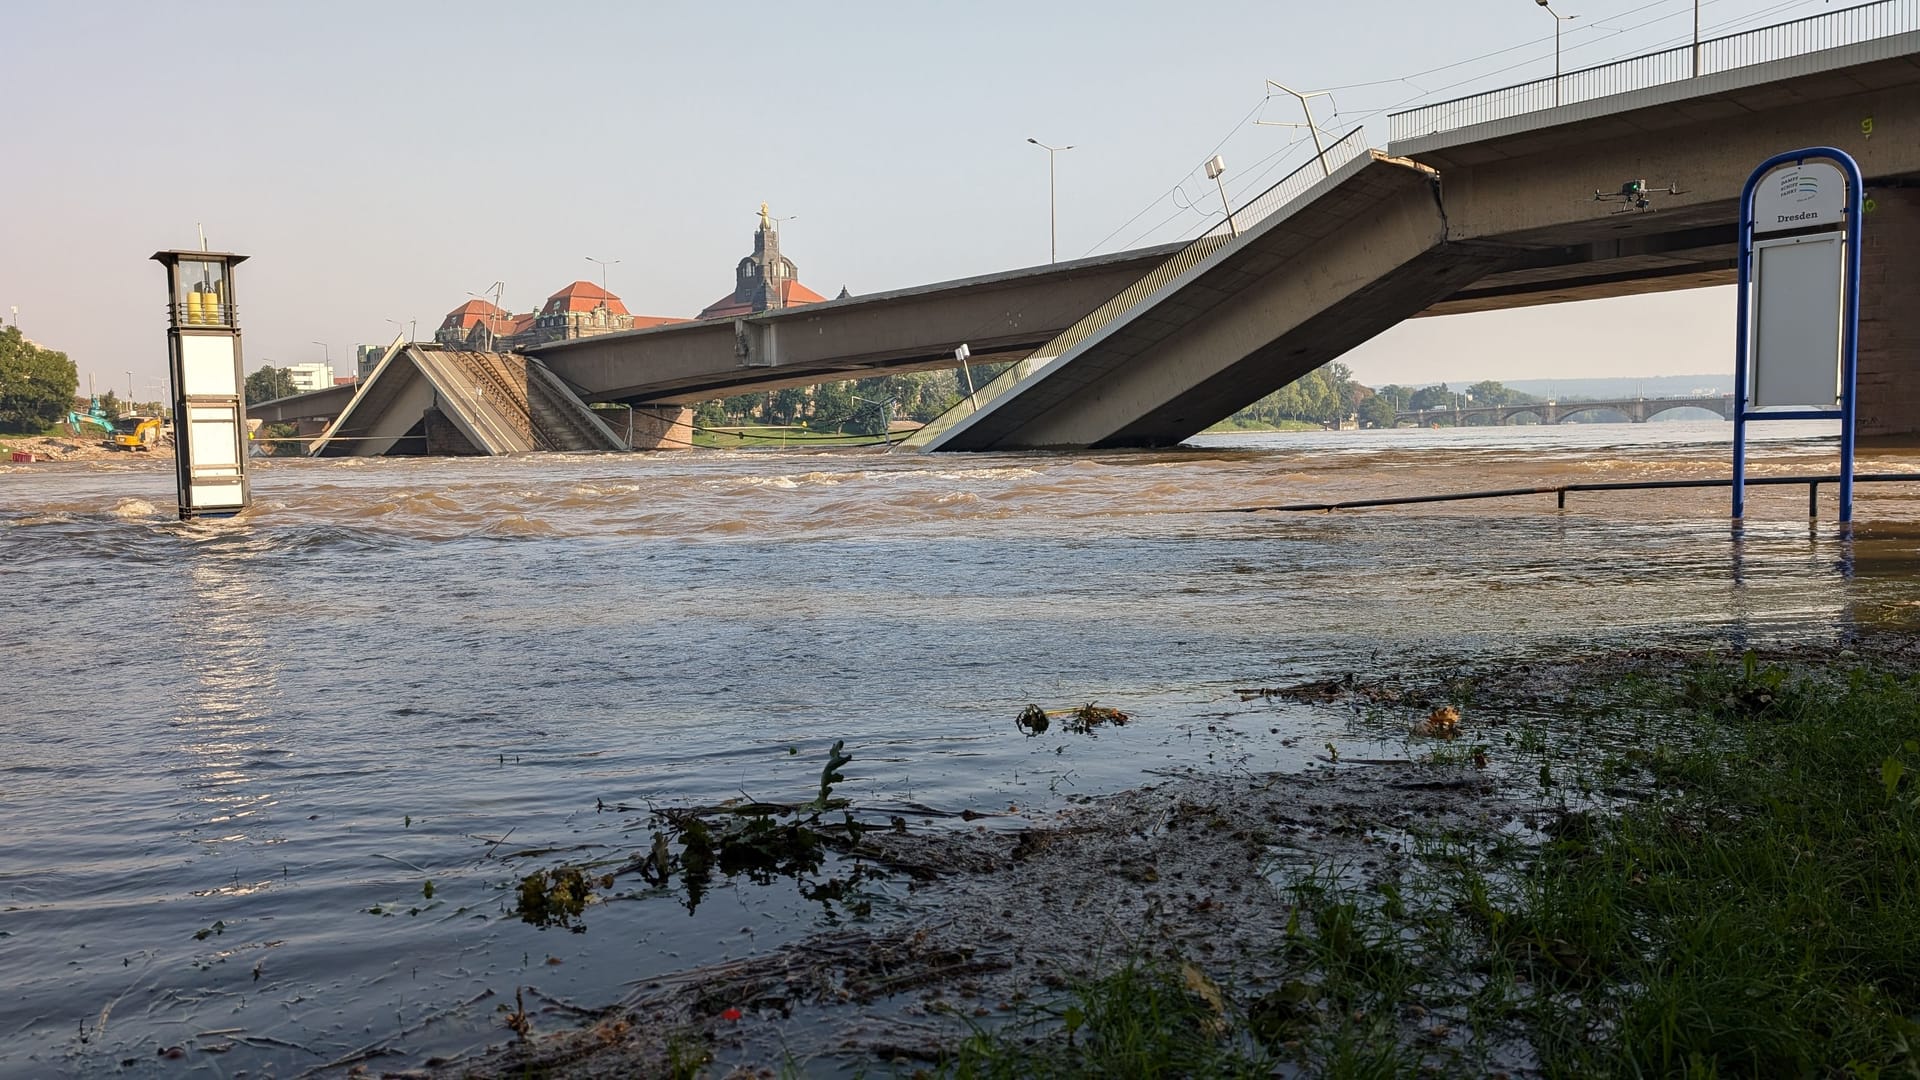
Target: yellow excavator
135, 433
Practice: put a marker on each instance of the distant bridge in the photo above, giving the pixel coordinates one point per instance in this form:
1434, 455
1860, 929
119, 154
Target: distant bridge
1638, 410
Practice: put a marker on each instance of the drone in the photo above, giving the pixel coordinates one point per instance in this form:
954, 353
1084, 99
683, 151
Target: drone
1635, 195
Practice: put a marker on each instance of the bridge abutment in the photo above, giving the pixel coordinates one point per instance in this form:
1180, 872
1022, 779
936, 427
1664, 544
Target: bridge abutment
1889, 386
659, 427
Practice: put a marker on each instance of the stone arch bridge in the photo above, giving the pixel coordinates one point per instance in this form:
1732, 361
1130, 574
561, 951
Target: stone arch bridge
1638, 410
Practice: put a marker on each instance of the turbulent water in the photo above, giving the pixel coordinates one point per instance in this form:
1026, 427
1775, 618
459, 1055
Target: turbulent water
235, 753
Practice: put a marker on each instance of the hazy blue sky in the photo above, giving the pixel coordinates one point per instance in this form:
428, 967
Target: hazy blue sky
382, 161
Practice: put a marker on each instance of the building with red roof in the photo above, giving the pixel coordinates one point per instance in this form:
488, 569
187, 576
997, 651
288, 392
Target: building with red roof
472, 323
582, 309
763, 281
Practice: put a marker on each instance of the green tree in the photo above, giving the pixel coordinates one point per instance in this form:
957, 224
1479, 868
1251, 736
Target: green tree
111, 405
36, 384
1437, 396
740, 407
1397, 396
833, 404
270, 384
1377, 412
786, 404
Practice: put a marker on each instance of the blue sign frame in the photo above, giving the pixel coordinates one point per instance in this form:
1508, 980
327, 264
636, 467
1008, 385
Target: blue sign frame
1849, 327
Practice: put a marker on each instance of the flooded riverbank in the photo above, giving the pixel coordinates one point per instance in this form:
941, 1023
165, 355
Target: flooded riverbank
237, 753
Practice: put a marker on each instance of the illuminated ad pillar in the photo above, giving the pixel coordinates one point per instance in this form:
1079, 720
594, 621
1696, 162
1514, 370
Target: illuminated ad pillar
209, 411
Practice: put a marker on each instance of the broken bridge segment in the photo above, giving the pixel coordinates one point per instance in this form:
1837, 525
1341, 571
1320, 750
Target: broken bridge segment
1344, 256
427, 400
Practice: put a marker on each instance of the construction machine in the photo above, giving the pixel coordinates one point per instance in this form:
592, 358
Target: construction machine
135, 433
94, 420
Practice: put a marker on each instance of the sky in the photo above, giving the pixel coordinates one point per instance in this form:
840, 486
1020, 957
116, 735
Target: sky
381, 163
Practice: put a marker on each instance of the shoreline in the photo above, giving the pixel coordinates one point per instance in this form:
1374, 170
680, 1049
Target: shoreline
1222, 897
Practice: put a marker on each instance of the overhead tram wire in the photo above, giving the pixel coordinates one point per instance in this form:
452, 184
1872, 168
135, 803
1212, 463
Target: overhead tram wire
1143, 211
1732, 25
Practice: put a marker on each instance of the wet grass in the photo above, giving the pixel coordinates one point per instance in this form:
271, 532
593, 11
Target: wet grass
1741, 898
1144, 1020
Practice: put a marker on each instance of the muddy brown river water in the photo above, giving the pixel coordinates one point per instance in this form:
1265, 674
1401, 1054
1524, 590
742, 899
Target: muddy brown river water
233, 755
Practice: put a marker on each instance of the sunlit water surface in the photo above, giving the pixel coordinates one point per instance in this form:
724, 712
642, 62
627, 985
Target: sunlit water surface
227, 746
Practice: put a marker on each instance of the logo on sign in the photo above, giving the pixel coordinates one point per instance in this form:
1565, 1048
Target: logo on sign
1797, 196
1798, 186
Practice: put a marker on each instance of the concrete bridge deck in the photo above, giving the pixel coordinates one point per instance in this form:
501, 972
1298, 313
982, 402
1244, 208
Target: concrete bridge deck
999, 317
1496, 214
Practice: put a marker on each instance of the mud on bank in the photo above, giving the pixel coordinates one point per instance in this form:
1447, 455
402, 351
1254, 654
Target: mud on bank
1393, 915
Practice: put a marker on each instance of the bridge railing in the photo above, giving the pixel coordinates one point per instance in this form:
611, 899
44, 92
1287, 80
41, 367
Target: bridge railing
1828, 30
1257, 209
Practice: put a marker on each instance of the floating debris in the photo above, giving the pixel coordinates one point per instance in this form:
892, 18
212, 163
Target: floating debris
1442, 723
1032, 720
1084, 719
558, 897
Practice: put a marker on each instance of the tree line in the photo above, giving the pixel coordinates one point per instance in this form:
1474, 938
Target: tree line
36, 384
1329, 396
858, 406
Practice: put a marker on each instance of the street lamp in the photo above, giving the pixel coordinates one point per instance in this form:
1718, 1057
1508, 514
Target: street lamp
326, 357
1216, 168
411, 325
129, 389
1557, 20
1696, 38
604, 263
1053, 221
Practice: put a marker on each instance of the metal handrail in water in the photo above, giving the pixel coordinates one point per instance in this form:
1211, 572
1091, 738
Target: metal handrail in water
1813, 492
1798, 37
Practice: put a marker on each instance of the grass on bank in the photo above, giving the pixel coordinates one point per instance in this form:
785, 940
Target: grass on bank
733, 438
1749, 907
1231, 426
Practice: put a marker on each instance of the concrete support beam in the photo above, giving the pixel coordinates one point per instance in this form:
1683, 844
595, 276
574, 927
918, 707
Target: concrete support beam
1889, 386
1300, 289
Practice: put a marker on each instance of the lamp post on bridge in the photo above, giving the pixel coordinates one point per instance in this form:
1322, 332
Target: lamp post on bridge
604, 263
1558, 18
1696, 38
1053, 227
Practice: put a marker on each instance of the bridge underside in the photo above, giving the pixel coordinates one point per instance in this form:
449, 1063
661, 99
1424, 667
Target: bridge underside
1497, 217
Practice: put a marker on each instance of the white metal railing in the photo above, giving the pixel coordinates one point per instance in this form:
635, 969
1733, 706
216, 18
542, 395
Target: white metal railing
1828, 30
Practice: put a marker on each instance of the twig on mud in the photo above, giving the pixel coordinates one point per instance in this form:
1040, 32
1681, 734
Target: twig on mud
384, 1046
564, 1005
268, 1040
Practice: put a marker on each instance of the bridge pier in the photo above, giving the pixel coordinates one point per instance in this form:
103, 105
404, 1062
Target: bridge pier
657, 427
1889, 381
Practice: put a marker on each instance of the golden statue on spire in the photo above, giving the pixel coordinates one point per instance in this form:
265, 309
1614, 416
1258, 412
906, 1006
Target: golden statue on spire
766, 219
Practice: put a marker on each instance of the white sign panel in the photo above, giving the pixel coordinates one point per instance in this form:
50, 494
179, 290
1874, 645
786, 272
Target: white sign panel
1796, 196
213, 434
1796, 321
206, 365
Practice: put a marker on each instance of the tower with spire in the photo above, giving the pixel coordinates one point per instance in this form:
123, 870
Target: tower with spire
763, 281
